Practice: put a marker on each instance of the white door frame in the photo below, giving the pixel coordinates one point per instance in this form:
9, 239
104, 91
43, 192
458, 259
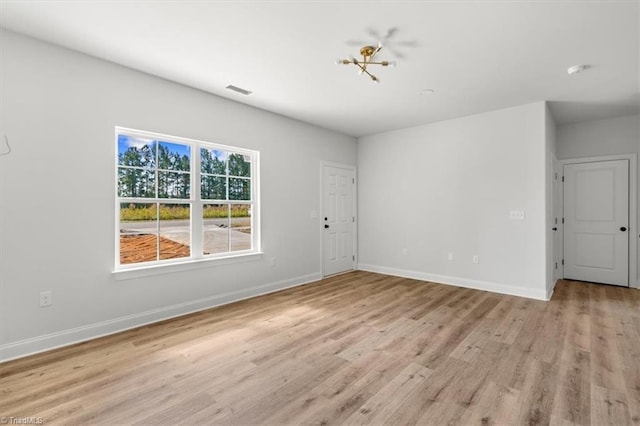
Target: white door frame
558, 242
633, 207
355, 211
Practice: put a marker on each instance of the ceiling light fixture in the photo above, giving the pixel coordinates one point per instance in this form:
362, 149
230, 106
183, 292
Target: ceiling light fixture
577, 69
368, 54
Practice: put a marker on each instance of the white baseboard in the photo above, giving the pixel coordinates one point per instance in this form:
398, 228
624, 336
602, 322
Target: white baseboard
460, 282
22, 348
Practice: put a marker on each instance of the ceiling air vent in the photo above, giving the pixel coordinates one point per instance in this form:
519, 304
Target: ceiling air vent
238, 89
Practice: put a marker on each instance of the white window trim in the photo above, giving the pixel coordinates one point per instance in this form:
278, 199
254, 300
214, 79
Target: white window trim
185, 265
198, 259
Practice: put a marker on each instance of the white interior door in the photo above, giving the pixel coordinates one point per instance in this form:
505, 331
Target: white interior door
596, 229
338, 219
557, 225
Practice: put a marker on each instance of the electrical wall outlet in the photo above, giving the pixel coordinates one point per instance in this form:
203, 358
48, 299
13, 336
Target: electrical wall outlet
46, 298
450, 256
475, 259
516, 215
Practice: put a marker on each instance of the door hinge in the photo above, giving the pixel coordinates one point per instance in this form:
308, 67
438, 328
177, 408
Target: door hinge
556, 265
556, 221
563, 220
556, 176
353, 257
353, 180
353, 219
563, 261
563, 178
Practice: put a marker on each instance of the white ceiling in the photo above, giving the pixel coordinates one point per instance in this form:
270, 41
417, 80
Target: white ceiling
477, 55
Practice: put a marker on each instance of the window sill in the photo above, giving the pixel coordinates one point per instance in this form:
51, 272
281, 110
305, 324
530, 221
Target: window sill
187, 265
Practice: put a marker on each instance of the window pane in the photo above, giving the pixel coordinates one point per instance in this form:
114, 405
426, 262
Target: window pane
239, 165
239, 189
138, 232
136, 151
240, 232
213, 161
215, 228
136, 183
174, 185
155, 198
174, 156
213, 188
175, 231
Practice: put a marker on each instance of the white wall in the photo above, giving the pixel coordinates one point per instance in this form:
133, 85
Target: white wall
58, 109
449, 187
619, 135
610, 136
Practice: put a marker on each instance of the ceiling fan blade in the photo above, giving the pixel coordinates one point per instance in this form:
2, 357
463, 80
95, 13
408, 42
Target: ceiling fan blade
390, 32
373, 33
396, 53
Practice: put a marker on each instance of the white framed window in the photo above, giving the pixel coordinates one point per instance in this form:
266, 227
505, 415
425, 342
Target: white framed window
180, 200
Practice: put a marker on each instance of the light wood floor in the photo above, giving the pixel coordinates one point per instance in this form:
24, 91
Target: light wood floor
359, 348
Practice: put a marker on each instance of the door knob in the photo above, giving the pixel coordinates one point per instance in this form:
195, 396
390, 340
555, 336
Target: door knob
326, 226
554, 229
623, 228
